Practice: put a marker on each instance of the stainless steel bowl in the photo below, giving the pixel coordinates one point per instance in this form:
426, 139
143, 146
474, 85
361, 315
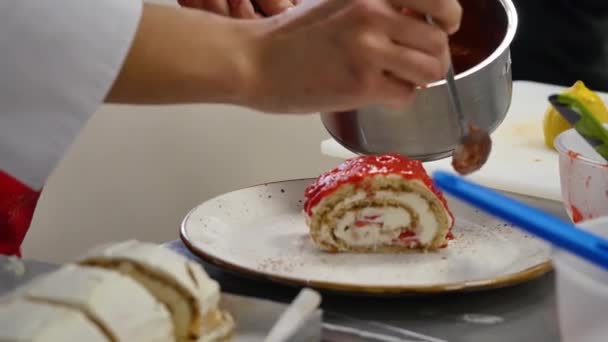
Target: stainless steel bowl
427, 130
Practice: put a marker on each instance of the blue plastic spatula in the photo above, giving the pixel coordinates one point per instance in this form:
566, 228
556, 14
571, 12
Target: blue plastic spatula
560, 233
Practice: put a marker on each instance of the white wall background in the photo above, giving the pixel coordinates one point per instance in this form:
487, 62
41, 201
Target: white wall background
136, 171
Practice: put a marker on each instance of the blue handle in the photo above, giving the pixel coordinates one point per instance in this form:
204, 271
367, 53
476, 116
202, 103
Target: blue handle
550, 228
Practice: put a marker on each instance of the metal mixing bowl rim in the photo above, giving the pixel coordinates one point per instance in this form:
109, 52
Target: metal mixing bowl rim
424, 158
512, 24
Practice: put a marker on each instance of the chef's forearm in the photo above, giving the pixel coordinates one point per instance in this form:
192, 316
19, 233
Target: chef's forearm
185, 56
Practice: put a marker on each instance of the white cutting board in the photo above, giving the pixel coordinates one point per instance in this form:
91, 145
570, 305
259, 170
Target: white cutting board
520, 162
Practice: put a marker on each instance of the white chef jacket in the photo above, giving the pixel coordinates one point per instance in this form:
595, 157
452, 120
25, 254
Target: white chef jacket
58, 60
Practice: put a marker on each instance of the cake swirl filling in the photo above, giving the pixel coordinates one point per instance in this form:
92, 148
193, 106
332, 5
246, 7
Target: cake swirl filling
384, 204
385, 218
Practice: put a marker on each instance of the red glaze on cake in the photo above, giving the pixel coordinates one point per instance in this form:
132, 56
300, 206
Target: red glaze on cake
354, 170
370, 173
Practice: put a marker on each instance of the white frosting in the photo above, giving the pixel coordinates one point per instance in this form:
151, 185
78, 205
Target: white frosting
219, 333
387, 223
168, 263
22, 320
118, 303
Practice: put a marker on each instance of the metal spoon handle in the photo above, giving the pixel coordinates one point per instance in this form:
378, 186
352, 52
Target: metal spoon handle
455, 101
453, 93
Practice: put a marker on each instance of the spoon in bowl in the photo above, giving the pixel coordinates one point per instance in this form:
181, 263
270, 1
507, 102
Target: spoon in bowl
475, 144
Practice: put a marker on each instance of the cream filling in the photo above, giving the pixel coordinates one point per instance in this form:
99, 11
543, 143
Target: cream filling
218, 326
181, 312
372, 226
114, 302
35, 321
376, 226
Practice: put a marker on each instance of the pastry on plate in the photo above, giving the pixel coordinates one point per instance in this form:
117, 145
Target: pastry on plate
22, 320
381, 203
182, 286
117, 305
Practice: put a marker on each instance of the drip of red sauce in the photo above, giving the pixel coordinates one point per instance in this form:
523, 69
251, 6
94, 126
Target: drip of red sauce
407, 234
363, 223
576, 215
573, 155
448, 237
356, 170
472, 152
407, 237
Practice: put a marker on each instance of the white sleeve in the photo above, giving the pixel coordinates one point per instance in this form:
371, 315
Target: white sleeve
58, 60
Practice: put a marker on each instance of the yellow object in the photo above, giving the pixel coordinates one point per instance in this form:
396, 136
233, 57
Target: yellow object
554, 124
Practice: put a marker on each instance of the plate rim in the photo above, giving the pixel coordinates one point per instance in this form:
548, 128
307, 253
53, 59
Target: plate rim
485, 284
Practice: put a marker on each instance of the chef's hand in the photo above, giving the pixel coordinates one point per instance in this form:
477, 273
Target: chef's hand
341, 54
323, 55
241, 8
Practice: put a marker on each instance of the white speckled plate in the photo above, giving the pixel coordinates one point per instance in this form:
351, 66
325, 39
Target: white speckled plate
260, 231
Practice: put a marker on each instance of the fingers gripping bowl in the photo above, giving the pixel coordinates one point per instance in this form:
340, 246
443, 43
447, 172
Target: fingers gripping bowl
427, 130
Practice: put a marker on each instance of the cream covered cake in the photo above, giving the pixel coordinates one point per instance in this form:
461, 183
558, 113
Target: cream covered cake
183, 286
127, 291
383, 203
117, 305
24, 320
